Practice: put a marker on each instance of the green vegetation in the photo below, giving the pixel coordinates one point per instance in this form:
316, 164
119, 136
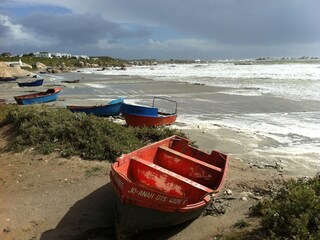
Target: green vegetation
57, 129
241, 224
294, 212
4, 111
93, 171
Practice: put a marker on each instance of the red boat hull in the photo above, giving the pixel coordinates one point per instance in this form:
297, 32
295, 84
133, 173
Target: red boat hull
132, 219
169, 181
136, 120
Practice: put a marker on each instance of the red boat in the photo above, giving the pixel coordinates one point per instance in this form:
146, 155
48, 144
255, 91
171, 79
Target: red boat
164, 184
3, 101
136, 120
141, 116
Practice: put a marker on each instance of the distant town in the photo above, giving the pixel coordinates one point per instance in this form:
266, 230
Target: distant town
46, 55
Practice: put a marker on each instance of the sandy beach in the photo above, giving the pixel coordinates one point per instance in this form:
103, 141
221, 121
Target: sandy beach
48, 197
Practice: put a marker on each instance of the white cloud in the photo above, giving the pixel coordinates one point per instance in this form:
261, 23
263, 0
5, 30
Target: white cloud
184, 43
16, 34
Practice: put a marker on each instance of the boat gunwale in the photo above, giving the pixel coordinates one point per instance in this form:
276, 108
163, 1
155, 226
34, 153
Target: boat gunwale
82, 107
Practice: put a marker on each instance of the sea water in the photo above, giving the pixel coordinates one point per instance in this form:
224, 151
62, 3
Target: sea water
277, 106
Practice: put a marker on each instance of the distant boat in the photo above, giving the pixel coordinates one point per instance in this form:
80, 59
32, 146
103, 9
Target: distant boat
163, 184
7, 79
110, 109
39, 97
33, 83
139, 116
71, 81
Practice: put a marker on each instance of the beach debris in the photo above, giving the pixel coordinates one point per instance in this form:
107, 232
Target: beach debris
276, 166
244, 198
214, 210
7, 229
227, 192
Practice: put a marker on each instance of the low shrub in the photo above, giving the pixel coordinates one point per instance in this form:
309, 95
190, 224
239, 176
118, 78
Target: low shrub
294, 212
52, 129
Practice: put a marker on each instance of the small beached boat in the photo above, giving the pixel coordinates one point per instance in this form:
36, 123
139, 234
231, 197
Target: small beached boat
137, 109
32, 83
8, 79
161, 119
163, 184
110, 109
3, 101
39, 97
139, 116
71, 81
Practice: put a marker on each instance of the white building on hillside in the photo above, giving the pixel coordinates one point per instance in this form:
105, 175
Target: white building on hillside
43, 54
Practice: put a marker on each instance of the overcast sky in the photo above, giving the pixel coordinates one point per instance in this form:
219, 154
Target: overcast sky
178, 29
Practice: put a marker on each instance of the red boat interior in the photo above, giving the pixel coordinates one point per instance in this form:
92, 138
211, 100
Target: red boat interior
176, 169
160, 179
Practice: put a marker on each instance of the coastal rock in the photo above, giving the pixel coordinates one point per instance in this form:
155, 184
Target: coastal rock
81, 64
95, 65
41, 67
55, 70
7, 71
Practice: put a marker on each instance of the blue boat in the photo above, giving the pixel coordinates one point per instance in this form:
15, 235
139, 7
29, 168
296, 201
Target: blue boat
40, 97
110, 109
137, 109
34, 83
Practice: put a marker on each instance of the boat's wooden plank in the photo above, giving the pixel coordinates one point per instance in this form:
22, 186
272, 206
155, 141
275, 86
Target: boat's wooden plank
189, 158
178, 177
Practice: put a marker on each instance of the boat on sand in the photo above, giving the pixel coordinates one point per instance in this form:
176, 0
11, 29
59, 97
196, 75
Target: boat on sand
142, 116
163, 184
40, 97
110, 109
31, 83
71, 81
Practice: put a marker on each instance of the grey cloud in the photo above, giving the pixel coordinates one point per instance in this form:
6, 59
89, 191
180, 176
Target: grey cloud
227, 21
229, 27
4, 30
77, 28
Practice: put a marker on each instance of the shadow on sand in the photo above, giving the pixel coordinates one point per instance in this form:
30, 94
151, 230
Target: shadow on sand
90, 218
93, 218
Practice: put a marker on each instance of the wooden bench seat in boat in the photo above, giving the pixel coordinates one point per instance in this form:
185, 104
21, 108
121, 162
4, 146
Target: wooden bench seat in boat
188, 167
163, 180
